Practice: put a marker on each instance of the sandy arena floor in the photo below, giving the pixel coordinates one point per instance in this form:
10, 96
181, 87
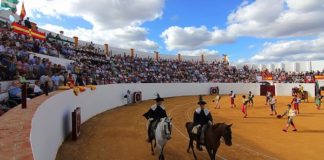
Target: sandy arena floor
120, 134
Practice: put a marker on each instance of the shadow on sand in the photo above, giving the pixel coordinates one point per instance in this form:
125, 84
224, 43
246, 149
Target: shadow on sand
312, 113
270, 117
311, 131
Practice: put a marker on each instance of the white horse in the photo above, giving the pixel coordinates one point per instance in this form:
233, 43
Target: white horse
162, 135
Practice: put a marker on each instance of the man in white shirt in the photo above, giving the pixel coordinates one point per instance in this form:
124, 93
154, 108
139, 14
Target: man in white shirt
128, 97
37, 90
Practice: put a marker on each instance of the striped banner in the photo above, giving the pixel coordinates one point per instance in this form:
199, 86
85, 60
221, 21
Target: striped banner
26, 31
319, 77
267, 78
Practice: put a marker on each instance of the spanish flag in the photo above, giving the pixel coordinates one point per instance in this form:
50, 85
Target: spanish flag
23, 11
26, 31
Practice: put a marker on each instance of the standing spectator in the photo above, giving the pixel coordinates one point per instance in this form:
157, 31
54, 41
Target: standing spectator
27, 23
128, 97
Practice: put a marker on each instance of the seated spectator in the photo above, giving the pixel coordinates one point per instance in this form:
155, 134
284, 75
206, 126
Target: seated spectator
80, 81
43, 79
22, 77
56, 81
15, 91
37, 90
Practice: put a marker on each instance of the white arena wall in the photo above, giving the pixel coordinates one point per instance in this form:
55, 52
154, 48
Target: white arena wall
52, 120
285, 89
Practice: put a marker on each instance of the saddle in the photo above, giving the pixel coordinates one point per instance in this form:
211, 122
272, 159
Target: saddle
195, 129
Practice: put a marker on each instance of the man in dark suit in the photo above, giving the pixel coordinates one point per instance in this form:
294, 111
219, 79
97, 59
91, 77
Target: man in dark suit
27, 23
202, 119
153, 115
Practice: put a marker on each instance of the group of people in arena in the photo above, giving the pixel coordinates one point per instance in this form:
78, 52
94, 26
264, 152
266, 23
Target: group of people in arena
202, 118
271, 101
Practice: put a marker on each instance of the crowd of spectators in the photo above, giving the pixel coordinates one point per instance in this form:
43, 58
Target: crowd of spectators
91, 66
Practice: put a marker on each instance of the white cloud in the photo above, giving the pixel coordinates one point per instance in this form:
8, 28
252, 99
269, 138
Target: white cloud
277, 18
259, 18
128, 37
251, 46
294, 50
241, 61
114, 21
193, 37
199, 52
103, 14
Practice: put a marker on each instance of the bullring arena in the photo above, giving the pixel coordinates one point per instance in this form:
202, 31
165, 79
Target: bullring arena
112, 132
112, 136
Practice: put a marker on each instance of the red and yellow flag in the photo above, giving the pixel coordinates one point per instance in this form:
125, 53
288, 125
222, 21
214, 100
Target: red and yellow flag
26, 31
23, 11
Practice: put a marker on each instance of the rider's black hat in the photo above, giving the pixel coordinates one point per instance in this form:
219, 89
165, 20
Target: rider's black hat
158, 98
201, 101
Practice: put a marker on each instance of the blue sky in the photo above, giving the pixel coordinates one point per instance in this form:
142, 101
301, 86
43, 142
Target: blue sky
209, 13
246, 30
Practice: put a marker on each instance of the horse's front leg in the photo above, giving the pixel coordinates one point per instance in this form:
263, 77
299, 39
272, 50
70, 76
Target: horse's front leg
210, 153
152, 148
214, 152
189, 145
161, 157
193, 150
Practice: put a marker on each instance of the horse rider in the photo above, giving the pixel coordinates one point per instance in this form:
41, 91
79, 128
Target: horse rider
301, 89
154, 115
202, 120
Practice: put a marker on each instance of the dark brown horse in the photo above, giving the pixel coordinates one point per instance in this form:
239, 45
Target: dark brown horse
212, 138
